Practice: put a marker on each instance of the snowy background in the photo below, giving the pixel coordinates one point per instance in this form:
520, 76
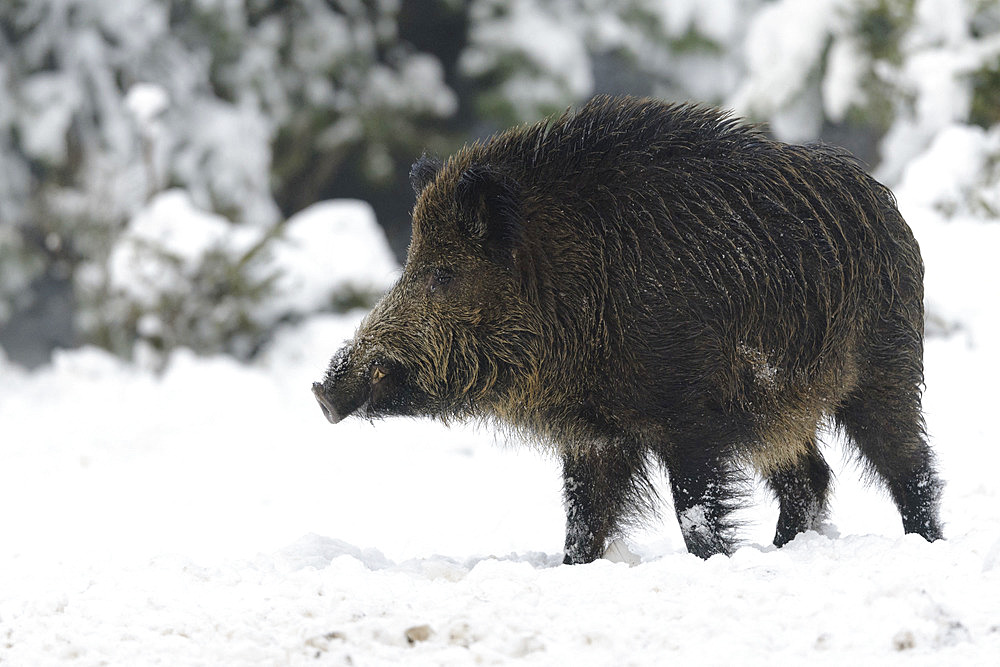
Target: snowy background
171, 493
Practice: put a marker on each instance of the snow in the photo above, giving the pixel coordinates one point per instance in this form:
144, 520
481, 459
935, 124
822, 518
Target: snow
842, 80
548, 37
941, 21
424, 76
939, 58
224, 158
955, 171
958, 241
942, 98
208, 514
782, 47
146, 101
50, 97
317, 263
164, 246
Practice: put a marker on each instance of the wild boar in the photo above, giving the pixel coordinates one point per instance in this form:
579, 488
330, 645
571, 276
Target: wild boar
640, 283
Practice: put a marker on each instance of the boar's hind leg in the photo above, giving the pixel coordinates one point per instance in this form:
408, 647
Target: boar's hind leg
802, 494
603, 487
882, 418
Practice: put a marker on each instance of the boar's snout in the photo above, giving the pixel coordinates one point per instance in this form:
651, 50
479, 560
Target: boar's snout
345, 389
326, 404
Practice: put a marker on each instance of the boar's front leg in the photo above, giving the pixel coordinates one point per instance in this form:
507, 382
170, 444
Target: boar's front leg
603, 486
704, 490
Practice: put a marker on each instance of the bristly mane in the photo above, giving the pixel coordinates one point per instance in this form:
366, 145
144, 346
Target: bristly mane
607, 129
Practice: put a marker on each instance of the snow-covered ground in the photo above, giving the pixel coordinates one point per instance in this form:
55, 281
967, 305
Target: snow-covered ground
210, 515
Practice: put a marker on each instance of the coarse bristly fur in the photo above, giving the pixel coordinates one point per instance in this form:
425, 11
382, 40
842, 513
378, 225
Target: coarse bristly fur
638, 282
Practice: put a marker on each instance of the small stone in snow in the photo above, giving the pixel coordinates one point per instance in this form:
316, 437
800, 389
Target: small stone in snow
418, 633
903, 640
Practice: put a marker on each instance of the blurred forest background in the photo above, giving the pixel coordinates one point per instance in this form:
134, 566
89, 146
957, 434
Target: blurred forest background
152, 152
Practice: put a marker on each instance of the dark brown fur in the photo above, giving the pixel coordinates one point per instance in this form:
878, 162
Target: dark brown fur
640, 282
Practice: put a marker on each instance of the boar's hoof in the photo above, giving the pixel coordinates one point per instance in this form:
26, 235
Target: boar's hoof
329, 411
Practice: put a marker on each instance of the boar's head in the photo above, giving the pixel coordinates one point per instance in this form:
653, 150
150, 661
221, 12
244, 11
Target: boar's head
452, 336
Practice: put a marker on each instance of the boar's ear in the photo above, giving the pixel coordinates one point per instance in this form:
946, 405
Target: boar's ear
423, 172
489, 209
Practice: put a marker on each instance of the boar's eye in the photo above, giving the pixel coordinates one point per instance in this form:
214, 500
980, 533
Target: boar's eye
439, 279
